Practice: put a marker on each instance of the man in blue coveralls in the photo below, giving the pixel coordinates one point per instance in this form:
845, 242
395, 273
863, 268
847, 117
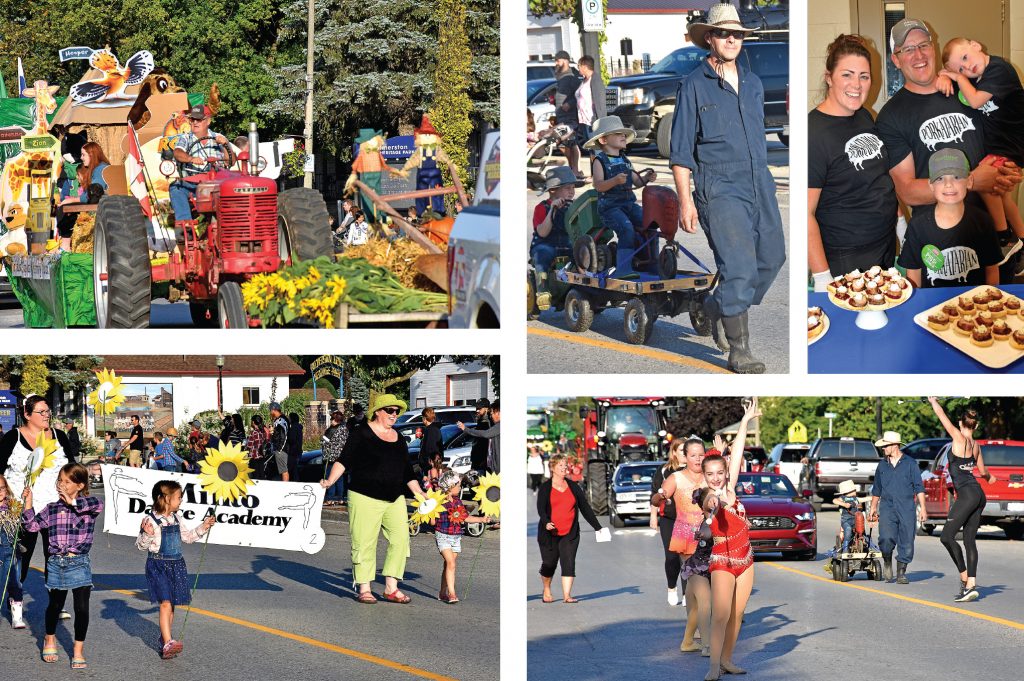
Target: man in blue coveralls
718, 137
897, 485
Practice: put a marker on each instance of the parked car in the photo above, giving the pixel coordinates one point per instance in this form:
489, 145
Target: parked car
630, 493
449, 414
646, 102
544, 69
755, 458
925, 450
457, 445
540, 99
1004, 505
789, 459
834, 459
781, 520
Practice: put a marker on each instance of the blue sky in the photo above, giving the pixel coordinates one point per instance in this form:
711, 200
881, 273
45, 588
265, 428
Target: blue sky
540, 401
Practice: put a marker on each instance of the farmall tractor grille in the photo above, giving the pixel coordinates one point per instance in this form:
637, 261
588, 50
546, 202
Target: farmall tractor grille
248, 224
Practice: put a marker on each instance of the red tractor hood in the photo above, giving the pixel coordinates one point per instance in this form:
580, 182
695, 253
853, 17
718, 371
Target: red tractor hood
632, 440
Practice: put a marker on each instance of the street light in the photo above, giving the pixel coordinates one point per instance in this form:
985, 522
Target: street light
220, 384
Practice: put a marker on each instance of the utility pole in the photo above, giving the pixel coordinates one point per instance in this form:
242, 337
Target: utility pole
308, 131
878, 417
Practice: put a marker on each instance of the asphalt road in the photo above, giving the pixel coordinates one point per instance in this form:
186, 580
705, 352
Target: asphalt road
673, 346
162, 315
262, 614
799, 624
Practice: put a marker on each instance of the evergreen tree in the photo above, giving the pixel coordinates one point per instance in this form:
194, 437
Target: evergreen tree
35, 376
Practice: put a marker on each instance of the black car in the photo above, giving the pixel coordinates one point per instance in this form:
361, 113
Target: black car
647, 102
925, 450
630, 494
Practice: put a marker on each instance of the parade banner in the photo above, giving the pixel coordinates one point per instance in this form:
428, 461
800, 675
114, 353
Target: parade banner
272, 515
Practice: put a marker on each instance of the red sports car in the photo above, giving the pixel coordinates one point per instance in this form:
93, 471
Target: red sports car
781, 520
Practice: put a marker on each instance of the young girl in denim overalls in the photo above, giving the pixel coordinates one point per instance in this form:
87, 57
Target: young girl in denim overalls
161, 535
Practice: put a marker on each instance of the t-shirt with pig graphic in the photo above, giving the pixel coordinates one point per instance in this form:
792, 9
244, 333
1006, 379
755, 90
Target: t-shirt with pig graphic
916, 124
848, 163
1003, 115
956, 256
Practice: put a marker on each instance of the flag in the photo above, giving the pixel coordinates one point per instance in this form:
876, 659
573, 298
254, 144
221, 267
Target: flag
21, 79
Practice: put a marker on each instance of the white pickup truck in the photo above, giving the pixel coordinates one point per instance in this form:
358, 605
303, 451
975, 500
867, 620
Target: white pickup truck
474, 281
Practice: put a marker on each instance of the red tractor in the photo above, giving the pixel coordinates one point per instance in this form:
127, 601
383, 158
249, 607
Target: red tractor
617, 430
247, 228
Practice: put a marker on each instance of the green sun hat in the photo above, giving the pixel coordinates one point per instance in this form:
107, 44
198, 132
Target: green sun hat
387, 401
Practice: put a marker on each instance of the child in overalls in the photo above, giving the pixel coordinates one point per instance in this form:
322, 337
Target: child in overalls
161, 535
614, 180
549, 233
849, 503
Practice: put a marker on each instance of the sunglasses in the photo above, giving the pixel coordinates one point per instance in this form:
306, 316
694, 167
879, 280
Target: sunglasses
723, 33
391, 411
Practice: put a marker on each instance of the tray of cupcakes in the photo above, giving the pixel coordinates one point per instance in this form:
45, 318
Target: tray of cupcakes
817, 324
984, 323
876, 289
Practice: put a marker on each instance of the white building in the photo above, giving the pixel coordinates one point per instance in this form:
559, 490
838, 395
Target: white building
450, 384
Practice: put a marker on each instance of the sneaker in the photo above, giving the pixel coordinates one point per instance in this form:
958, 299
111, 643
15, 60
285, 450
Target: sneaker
17, 614
1008, 244
673, 597
963, 588
682, 601
65, 615
967, 595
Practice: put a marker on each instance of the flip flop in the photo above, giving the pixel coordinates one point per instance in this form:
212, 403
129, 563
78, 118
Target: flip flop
570, 600
547, 600
51, 653
78, 663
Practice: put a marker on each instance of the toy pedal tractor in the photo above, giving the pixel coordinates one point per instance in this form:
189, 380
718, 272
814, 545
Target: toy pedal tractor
592, 250
661, 218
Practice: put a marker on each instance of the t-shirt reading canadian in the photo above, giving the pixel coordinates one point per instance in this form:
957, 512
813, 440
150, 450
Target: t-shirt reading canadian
916, 124
849, 163
956, 256
1003, 117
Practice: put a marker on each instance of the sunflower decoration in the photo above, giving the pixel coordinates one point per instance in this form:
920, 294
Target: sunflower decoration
488, 493
43, 457
547, 447
429, 508
224, 472
107, 396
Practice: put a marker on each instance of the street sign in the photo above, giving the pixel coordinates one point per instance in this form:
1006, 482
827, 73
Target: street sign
797, 432
593, 15
830, 415
44, 142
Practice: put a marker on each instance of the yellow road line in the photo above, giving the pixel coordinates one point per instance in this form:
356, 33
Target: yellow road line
970, 613
659, 355
373, 659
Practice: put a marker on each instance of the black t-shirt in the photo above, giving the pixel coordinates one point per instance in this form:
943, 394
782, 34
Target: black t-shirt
967, 249
139, 442
376, 468
1003, 115
565, 92
478, 454
849, 164
922, 124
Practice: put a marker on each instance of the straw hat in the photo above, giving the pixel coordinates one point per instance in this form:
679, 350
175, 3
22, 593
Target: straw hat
719, 16
559, 176
607, 126
847, 487
890, 437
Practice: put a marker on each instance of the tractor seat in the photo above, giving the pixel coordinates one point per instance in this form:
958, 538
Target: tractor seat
582, 216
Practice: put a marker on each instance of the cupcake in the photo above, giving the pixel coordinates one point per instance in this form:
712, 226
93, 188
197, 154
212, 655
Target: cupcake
951, 310
964, 326
871, 288
938, 321
893, 273
1000, 331
857, 285
842, 293
858, 300
981, 336
893, 291
853, 276
814, 325
876, 301
875, 271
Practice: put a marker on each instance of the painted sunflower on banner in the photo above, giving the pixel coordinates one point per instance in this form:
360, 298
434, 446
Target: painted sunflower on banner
429, 507
488, 493
224, 472
43, 457
107, 396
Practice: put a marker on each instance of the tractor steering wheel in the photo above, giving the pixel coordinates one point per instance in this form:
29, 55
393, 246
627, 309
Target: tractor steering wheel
210, 164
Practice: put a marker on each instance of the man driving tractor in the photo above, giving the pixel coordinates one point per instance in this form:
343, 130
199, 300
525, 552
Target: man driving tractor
195, 151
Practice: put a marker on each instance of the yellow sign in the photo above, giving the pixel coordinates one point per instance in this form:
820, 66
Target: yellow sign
327, 365
40, 143
797, 432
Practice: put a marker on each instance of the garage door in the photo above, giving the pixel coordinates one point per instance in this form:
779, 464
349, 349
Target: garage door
543, 43
467, 388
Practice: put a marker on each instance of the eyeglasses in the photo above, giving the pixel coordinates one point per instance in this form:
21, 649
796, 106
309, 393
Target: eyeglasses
723, 33
392, 411
911, 50
43, 413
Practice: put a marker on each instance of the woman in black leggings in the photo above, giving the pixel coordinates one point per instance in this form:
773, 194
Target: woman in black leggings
666, 511
965, 513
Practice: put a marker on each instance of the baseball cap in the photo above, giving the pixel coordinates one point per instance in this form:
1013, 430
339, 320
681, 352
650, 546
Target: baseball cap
275, 406
948, 162
199, 112
196, 424
898, 34
483, 403
562, 54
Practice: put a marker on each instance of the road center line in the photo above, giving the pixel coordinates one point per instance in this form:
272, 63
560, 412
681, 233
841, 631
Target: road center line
366, 657
659, 355
970, 613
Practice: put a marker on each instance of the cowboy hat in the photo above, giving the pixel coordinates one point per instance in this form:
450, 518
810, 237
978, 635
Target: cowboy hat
426, 127
387, 400
719, 16
607, 126
367, 134
890, 437
560, 176
847, 487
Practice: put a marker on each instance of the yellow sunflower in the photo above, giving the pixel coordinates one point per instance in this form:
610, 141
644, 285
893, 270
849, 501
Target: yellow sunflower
547, 446
42, 457
429, 507
107, 396
488, 493
224, 472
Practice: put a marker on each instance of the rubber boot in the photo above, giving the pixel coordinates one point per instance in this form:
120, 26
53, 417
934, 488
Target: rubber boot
740, 359
887, 568
901, 573
715, 320
543, 293
17, 615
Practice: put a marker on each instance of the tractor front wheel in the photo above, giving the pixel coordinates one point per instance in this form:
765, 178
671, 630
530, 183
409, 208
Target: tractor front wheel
304, 224
122, 279
579, 313
229, 306
638, 320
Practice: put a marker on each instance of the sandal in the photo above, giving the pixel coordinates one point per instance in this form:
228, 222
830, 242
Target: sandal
50, 655
451, 600
78, 663
570, 599
366, 597
171, 649
394, 597
547, 600
730, 668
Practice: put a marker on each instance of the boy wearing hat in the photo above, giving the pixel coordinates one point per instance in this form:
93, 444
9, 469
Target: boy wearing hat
195, 151
614, 180
718, 138
955, 243
549, 233
846, 499
448, 530
897, 486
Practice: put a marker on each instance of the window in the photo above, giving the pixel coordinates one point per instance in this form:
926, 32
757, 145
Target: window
250, 397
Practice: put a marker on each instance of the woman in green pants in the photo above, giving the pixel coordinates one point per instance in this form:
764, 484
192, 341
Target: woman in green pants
377, 461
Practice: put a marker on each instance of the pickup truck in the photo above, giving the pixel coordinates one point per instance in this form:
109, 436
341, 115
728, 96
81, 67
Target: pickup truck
474, 290
834, 459
646, 102
1004, 506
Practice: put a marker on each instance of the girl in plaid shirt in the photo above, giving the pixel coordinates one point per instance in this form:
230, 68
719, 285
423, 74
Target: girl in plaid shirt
448, 531
71, 522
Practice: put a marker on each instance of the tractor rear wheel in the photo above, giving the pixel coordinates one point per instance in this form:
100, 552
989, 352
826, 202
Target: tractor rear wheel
584, 253
122, 279
304, 224
597, 486
638, 321
230, 309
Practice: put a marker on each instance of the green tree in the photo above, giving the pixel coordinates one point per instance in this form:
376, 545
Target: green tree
451, 108
384, 374
702, 416
35, 376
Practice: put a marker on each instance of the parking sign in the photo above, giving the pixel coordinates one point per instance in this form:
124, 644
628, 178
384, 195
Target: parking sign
593, 16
